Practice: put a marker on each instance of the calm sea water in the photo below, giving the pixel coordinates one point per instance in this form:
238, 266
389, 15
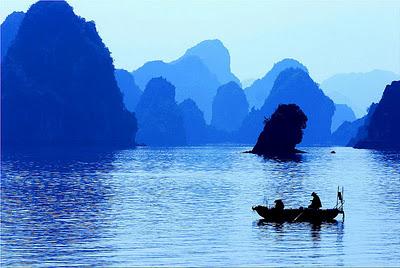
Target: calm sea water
192, 206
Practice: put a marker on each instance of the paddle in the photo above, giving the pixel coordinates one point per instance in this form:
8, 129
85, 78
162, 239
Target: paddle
295, 219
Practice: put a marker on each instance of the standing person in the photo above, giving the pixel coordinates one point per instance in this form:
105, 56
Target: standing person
315, 202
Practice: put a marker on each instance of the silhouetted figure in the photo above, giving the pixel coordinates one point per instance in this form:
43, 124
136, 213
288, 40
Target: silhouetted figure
315, 202
279, 204
282, 131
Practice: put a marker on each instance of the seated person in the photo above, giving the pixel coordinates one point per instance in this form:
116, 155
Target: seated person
315, 202
279, 204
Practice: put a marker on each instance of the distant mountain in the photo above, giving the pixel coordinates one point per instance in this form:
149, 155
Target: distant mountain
294, 86
260, 88
193, 120
196, 129
360, 127
130, 91
247, 82
58, 84
159, 119
230, 107
346, 132
189, 75
196, 75
342, 113
358, 90
9, 29
383, 128
251, 127
216, 57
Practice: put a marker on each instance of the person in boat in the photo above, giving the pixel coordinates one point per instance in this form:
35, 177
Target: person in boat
279, 204
315, 202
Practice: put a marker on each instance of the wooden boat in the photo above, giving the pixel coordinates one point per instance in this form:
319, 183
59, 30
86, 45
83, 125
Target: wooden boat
302, 214
297, 215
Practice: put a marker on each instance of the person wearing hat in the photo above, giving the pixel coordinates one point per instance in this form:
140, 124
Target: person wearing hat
279, 206
315, 202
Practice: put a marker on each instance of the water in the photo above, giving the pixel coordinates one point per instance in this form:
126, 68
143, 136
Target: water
192, 206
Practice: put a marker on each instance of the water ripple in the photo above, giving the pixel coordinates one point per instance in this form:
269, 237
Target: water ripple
191, 206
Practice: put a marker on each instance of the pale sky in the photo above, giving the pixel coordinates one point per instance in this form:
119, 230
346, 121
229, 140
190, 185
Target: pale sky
328, 37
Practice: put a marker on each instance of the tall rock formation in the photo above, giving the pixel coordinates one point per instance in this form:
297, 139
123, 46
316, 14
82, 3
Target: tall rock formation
189, 75
217, 59
260, 88
9, 29
282, 131
294, 86
131, 93
159, 118
58, 84
193, 120
383, 128
230, 107
196, 75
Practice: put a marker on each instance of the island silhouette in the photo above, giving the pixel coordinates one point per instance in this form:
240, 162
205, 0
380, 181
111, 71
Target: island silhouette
159, 118
229, 108
58, 85
382, 130
282, 131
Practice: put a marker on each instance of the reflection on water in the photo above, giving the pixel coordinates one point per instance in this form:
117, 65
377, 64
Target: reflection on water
284, 158
192, 206
53, 203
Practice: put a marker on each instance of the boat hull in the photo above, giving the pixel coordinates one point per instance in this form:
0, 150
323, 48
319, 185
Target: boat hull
297, 215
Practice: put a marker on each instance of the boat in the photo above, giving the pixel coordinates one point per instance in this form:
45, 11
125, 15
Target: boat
272, 214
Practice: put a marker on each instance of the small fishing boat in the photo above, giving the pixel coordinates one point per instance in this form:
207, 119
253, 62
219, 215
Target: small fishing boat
272, 214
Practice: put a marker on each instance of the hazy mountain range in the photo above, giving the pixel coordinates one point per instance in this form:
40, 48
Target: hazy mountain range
194, 99
131, 93
358, 90
196, 75
293, 86
260, 88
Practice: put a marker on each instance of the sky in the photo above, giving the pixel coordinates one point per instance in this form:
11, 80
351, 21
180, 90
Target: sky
329, 37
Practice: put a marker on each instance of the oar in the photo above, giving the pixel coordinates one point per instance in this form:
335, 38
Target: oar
295, 219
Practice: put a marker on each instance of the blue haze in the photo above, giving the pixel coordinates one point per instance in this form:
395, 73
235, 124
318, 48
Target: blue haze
189, 75
342, 114
317, 33
358, 90
177, 205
